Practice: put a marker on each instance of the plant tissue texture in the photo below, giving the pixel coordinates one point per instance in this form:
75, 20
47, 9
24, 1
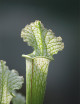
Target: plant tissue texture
9, 81
45, 45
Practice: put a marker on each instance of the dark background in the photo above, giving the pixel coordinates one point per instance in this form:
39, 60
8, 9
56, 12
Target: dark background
62, 16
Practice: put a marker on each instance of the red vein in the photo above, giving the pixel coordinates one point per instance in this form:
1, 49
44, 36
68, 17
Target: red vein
31, 81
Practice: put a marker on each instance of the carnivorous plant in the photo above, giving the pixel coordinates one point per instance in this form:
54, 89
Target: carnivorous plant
45, 45
9, 81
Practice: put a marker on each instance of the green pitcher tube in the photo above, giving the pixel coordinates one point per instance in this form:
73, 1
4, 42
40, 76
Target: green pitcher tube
36, 75
45, 45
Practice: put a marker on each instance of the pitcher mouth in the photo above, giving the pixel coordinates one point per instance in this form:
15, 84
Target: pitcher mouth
33, 57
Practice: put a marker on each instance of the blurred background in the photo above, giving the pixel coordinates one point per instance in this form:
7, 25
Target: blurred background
62, 16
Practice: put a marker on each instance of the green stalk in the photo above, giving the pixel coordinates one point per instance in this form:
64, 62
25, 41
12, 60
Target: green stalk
45, 44
36, 74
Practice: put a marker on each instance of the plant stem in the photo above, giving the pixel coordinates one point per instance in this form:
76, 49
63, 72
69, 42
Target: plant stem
36, 74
